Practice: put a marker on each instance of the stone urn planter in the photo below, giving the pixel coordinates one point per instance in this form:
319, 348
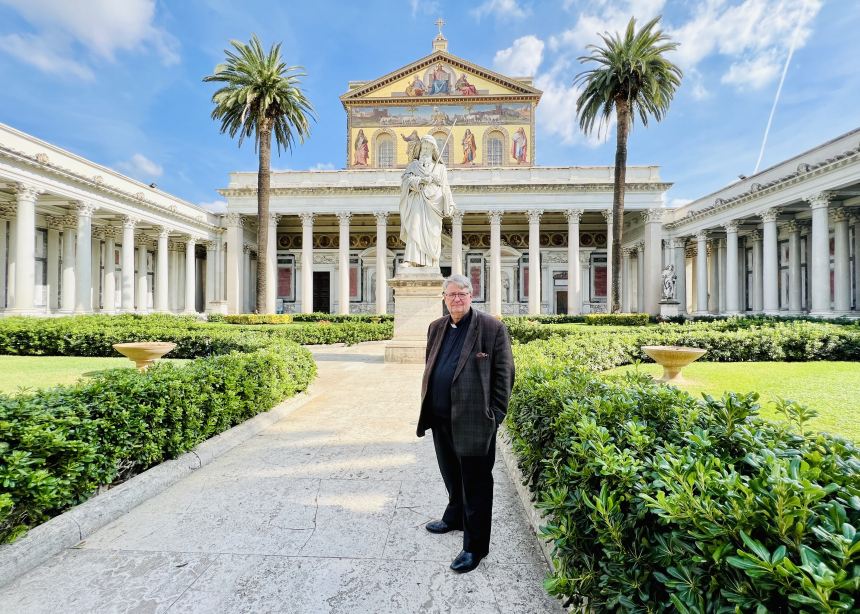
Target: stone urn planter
376, 320
144, 353
672, 358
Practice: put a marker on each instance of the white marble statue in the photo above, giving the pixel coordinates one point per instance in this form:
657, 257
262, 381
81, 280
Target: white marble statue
425, 198
669, 281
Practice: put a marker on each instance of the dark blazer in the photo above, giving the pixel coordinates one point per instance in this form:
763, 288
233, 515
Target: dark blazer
482, 382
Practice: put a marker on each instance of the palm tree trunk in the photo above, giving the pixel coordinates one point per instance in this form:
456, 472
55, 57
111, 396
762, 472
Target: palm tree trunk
622, 110
263, 188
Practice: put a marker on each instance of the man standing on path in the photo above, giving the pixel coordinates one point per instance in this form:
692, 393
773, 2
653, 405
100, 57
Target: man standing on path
468, 377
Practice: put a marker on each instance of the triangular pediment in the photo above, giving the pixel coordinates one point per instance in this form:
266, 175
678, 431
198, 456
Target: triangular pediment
435, 78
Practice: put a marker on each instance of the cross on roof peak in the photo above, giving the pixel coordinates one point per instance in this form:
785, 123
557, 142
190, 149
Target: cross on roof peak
440, 23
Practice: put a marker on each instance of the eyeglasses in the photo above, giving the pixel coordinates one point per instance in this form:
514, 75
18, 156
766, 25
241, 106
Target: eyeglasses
456, 295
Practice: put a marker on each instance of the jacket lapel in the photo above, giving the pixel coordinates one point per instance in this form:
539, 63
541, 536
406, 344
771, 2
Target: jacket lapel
437, 343
471, 337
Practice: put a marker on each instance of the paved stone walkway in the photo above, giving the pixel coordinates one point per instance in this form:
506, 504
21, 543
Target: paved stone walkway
324, 511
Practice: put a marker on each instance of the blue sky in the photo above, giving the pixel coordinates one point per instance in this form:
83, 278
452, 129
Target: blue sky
119, 81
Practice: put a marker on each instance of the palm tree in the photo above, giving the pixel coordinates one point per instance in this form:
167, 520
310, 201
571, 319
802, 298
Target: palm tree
412, 109
261, 96
633, 78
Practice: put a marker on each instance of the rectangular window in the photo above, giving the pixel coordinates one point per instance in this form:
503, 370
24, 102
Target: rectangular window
524, 278
286, 276
783, 275
749, 276
41, 291
354, 282
475, 271
804, 301
598, 278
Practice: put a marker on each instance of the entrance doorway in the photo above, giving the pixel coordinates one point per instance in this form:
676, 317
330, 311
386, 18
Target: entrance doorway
561, 302
322, 292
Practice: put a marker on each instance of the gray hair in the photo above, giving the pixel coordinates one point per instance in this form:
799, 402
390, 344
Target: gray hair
460, 280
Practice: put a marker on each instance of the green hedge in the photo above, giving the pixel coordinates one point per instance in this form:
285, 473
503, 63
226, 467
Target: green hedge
337, 318
658, 502
58, 445
252, 318
544, 319
95, 335
617, 319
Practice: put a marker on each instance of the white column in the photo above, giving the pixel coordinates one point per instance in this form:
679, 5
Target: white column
794, 288
533, 216
173, 276
607, 215
235, 239
96, 268
758, 272
54, 226
574, 268
220, 269
162, 271
67, 288
190, 275
211, 275
585, 274
732, 286
679, 259
382, 260
713, 277
640, 277
694, 284
272, 264
625, 280
856, 223
83, 258
495, 217
128, 224
308, 261
5, 210
702, 273
343, 263
653, 287
721, 275
142, 277
770, 264
248, 281
109, 280
456, 243
25, 249
841, 263
820, 270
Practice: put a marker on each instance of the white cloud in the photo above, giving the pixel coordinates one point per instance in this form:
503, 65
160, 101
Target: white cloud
699, 92
558, 111
323, 167
504, 9
600, 16
521, 59
140, 165
428, 8
216, 206
754, 72
101, 27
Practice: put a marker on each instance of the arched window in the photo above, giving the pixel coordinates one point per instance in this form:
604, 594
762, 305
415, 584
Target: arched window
385, 151
441, 137
495, 153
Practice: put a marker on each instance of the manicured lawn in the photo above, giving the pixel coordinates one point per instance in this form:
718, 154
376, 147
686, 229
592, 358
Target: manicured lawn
831, 388
43, 371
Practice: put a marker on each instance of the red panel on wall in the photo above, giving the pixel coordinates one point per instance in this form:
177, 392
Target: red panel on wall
526, 281
475, 277
353, 282
285, 282
600, 281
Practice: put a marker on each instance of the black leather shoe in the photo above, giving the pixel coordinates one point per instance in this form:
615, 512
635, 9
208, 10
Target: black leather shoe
440, 526
465, 562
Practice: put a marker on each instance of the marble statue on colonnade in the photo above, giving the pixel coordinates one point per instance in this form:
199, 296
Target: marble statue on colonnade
425, 198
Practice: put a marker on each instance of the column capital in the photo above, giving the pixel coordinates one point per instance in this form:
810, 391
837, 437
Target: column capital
457, 216
246, 248
69, 221
163, 231
792, 226
233, 219
627, 252
640, 246
731, 226
191, 240
344, 217
769, 215
675, 242
655, 214
607, 215
27, 192
142, 239
211, 246
274, 218
55, 223
129, 221
573, 215
840, 214
8, 210
534, 215
382, 217
495, 216
307, 218
84, 209
102, 232
702, 235
819, 199
585, 259
755, 235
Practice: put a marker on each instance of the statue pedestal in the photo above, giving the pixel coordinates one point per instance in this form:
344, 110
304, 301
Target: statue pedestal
669, 309
417, 302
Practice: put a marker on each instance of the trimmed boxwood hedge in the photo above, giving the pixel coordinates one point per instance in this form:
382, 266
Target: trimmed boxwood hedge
659, 502
59, 444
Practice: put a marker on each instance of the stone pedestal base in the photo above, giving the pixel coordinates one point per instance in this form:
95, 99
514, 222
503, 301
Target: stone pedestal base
669, 309
218, 307
417, 302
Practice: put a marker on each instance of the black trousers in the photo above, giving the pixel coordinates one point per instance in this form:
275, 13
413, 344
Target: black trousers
469, 481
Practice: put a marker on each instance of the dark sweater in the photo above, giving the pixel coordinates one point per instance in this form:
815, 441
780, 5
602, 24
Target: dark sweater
443, 371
